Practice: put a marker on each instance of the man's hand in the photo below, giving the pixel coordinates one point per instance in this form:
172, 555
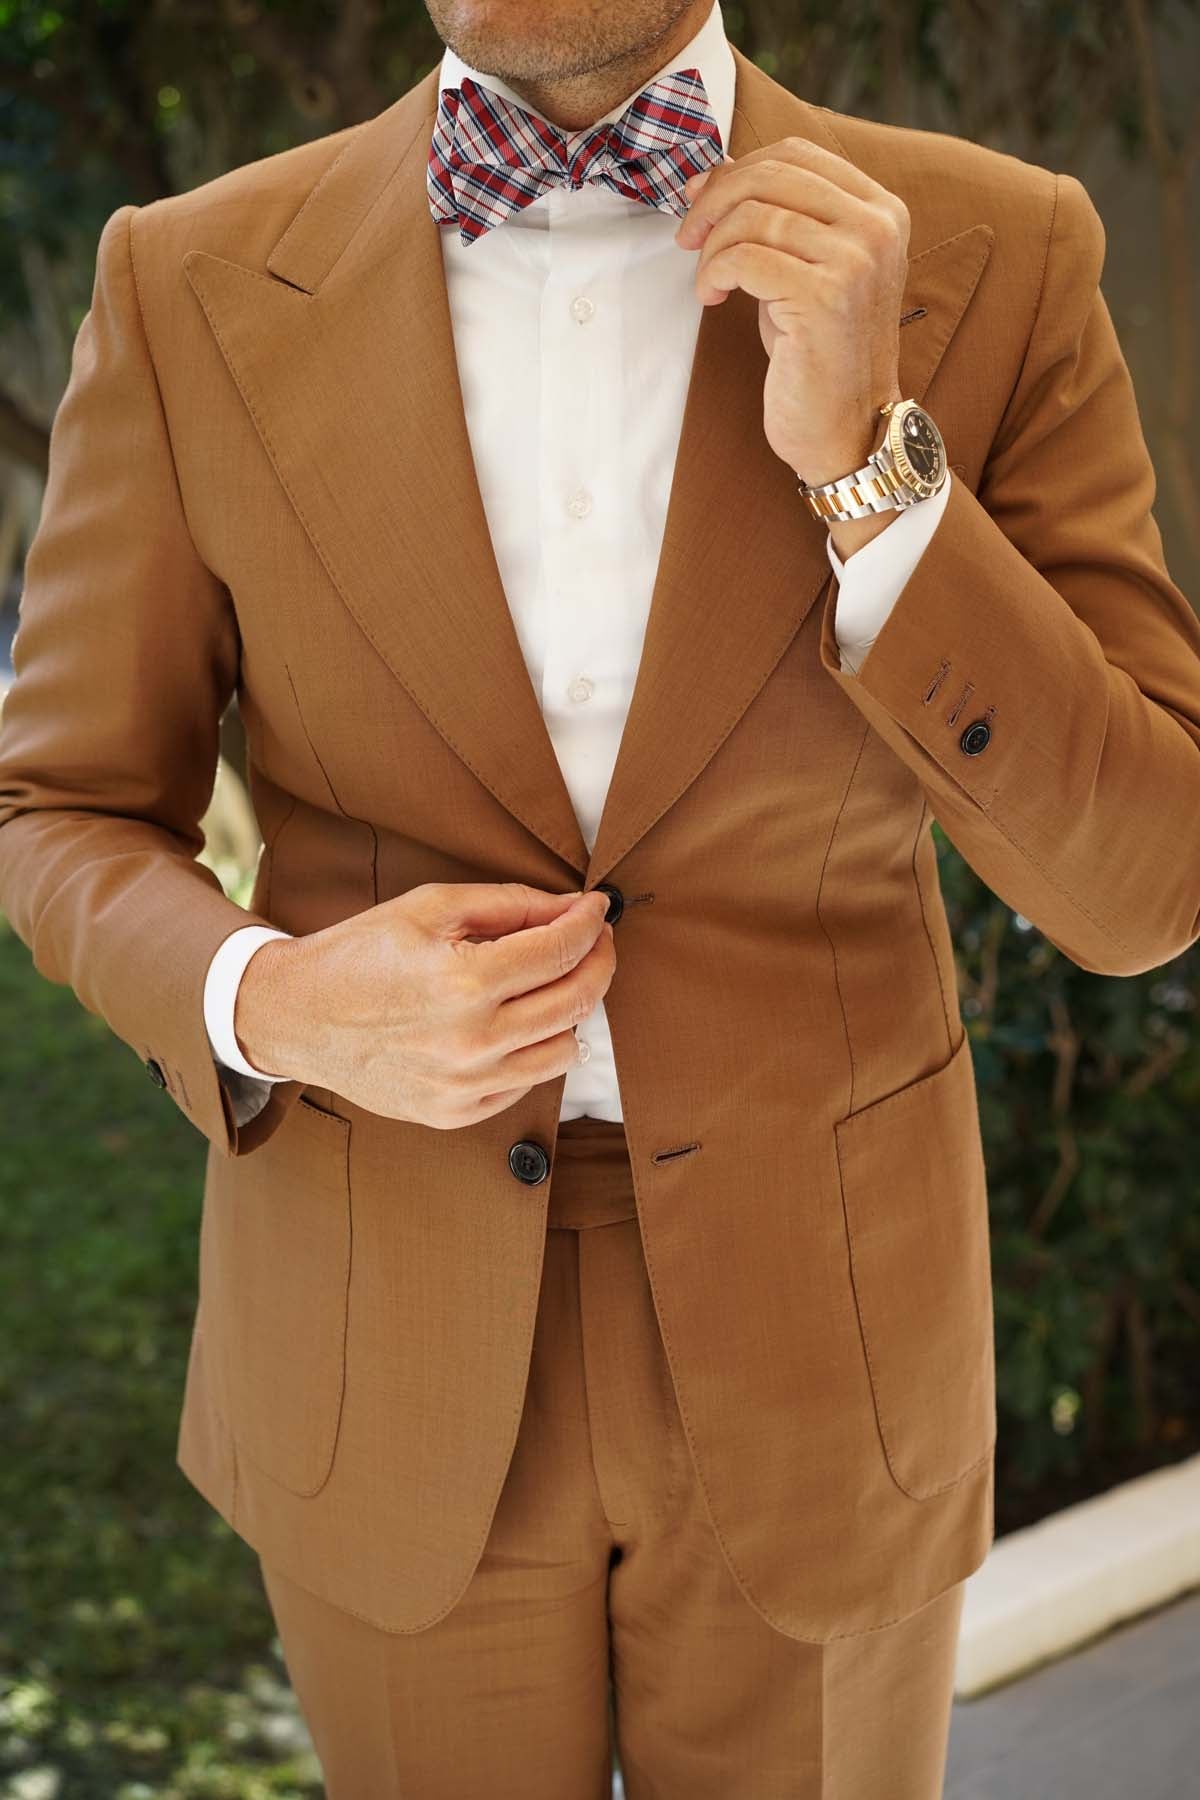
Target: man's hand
824, 248
441, 1007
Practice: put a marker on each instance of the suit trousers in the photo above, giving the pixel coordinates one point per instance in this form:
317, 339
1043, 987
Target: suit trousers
602, 1606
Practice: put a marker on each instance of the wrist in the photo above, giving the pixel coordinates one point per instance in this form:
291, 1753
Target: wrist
841, 458
262, 1012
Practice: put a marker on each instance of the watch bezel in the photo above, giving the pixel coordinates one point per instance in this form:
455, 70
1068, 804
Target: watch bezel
900, 463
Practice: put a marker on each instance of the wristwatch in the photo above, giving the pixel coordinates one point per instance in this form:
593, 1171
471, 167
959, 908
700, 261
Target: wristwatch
909, 466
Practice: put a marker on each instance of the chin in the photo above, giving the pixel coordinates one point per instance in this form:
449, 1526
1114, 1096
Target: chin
510, 31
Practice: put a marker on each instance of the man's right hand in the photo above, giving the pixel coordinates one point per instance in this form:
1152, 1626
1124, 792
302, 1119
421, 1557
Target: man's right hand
441, 1007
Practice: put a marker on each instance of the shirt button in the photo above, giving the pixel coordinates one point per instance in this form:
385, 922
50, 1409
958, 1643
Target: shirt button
581, 688
580, 504
582, 309
585, 1049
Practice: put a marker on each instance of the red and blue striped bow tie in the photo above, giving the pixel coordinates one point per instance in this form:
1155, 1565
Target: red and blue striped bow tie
489, 158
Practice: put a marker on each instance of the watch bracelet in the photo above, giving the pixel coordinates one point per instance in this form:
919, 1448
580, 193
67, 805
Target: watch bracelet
851, 496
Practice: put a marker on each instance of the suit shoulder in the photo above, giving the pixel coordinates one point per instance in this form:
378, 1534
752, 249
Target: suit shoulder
239, 214
949, 182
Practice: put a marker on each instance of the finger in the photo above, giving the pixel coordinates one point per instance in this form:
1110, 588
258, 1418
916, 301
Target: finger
492, 908
558, 1005
780, 185
757, 222
529, 958
767, 274
802, 153
538, 1061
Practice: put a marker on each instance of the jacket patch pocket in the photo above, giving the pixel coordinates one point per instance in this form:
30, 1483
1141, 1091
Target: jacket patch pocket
914, 1195
279, 1276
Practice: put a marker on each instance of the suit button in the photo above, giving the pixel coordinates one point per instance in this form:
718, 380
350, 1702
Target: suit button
154, 1070
616, 902
975, 738
528, 1162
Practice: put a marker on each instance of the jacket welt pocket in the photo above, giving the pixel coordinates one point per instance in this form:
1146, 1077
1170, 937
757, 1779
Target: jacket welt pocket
914, 1196
278, 1274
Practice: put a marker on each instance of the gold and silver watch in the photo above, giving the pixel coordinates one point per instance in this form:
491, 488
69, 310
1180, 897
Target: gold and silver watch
909, 466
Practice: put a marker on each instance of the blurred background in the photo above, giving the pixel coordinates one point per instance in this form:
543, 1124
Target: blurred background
136, 1652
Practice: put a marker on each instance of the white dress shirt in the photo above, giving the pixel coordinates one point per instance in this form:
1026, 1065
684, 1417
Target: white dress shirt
575, 324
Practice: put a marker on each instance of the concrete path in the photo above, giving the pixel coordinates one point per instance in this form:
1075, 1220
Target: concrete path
1118, 1719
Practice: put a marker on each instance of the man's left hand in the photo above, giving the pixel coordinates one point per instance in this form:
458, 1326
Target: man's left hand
824, 249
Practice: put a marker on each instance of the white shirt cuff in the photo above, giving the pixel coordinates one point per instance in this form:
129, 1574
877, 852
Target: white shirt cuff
872, 578
220, 995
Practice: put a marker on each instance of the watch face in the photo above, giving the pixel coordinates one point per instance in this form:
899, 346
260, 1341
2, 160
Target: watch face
920, 446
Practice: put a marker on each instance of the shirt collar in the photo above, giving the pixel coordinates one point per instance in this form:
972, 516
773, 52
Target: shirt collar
708, 51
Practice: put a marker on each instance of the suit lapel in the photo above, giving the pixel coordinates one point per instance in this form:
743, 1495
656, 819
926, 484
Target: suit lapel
344, 356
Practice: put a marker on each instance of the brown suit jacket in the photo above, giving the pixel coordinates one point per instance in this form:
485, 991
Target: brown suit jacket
261, 479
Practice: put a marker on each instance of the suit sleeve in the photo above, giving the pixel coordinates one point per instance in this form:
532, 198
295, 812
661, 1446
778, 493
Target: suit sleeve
1040, 670
125, 657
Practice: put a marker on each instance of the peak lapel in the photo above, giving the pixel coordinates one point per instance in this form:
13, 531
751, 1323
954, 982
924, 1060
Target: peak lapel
742, 558
345, 359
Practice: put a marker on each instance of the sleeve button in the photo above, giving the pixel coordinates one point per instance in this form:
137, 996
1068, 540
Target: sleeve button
975, 738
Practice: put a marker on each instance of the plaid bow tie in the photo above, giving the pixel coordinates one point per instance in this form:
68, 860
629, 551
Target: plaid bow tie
489, 158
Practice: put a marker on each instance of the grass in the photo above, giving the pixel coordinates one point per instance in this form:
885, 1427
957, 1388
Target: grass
137, 1652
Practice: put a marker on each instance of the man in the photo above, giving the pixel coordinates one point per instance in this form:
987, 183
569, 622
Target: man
518, 483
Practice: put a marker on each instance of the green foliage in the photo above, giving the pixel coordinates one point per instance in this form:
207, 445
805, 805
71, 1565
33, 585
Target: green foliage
103, 104
137, 1651
1089, 1088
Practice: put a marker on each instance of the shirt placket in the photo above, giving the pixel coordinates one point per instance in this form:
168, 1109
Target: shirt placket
582, 534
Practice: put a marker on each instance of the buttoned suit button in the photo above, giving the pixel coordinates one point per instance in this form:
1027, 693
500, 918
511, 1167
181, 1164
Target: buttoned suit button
528, 1162
975, 738
154, 1070
616, 902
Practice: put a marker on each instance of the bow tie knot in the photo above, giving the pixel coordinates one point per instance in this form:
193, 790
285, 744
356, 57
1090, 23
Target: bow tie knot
488, 158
